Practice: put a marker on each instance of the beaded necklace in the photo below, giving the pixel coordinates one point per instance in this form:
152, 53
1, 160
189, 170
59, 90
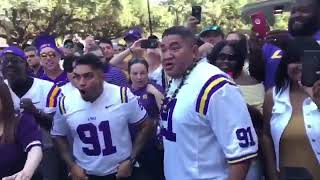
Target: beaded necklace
175, 93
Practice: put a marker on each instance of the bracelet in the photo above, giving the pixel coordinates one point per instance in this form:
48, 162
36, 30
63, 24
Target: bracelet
131, 50
131, 160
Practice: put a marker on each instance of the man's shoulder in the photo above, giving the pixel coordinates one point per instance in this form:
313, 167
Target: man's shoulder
205, 72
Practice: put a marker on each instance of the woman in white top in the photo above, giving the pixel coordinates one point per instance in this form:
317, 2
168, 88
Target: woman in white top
291, 133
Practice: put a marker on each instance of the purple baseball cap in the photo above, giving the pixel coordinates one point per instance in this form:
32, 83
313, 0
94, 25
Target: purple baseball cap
43, 41
132, 34
15, 51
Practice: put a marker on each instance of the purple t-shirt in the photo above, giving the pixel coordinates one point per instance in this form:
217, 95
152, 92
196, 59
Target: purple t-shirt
114, 75
39, 74
272, 56
13, 156
148, 101
61, 80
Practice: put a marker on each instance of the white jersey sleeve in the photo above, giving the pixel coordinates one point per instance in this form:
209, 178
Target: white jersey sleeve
52, 99
135, 112
60, 126
221, 102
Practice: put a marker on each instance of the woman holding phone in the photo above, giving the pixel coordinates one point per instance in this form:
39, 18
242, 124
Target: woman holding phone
291, 130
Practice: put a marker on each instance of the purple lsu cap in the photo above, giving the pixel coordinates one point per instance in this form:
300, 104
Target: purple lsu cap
43, 40
15, 51
132, 34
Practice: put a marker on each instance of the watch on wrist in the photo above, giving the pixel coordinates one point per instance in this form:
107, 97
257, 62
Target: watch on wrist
132, 161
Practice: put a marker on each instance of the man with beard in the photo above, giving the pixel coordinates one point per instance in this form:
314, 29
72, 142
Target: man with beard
304, 21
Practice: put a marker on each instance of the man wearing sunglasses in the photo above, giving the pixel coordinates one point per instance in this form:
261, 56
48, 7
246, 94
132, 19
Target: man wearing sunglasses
33, 60
35, 96
50, 57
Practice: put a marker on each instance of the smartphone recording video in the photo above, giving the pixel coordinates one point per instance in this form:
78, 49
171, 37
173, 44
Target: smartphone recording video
149, 44
310, 67
196, 12
260, 24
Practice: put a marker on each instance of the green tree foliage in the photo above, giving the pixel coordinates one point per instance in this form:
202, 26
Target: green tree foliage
21, 20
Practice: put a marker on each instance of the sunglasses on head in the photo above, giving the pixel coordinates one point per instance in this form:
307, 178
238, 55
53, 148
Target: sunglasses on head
50, 55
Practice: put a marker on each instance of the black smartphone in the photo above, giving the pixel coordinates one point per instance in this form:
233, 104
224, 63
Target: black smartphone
196, 12
149, 44
310, 67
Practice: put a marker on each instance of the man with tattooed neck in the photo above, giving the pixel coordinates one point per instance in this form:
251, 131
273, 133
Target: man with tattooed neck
32, 95
206, 127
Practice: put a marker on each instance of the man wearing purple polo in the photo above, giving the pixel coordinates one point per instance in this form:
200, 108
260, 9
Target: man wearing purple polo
50, 56
113, 75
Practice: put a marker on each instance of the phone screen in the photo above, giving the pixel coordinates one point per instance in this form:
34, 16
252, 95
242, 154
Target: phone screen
149, 44
260, 24
196, 12
310, 67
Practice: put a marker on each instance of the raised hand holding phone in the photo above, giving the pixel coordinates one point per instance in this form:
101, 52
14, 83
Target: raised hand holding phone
260, 24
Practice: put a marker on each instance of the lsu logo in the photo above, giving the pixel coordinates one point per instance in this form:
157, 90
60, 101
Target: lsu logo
276, 55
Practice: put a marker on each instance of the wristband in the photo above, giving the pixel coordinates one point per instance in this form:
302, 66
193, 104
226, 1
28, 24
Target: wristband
131, 50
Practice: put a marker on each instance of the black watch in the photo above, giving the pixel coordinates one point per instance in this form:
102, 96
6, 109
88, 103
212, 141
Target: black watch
132, 161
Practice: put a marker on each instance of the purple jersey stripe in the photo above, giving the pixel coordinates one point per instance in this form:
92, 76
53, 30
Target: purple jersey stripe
55, 102
213, 78
49, 95
125, 95
212, 91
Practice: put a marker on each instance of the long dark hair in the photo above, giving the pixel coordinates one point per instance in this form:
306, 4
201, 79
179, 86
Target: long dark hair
292, 53
7, 115
136, 61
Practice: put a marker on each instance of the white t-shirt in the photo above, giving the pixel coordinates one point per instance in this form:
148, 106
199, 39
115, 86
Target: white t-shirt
45, 96
101, 138
68, 89
157, 76
206, 127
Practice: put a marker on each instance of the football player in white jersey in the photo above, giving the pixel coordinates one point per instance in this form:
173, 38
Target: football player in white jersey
97, 116
35, 96
206, 127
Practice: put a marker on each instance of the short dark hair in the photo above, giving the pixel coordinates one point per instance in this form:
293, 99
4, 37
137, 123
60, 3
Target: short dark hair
293, 51
68, 63
90, 59
31, 48
238, 52
181, 31
106, 41
68, 41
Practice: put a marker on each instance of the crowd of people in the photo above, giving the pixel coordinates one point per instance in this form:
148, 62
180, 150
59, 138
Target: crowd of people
200, 105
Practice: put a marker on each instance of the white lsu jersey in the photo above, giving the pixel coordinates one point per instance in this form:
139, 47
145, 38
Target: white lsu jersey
206, 127
43, 94
68, 89
101, 138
